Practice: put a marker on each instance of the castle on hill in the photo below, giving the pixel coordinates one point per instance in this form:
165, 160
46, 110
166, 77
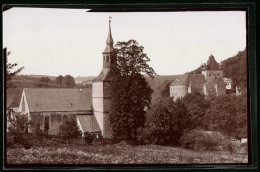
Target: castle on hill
209, 83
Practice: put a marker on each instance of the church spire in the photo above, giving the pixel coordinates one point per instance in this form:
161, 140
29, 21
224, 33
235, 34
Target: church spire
109, 42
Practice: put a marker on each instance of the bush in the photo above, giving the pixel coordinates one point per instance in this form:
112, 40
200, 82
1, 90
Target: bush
88, 137
69, 130
202, 140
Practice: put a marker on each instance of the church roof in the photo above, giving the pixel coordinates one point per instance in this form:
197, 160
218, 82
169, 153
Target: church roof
89, 123
211, 63
57, 99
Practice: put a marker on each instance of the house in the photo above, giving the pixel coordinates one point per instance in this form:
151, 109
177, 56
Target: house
89, 107
209, 83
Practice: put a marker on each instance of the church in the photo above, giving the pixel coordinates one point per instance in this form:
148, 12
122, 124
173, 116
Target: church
50, 107
209, 83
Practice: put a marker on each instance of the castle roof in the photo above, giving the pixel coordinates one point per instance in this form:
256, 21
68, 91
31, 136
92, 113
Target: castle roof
56, 99
189, 79
180, 80
211, 63
197, 79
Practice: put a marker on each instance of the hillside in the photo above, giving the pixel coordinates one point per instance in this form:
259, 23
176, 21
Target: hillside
235, 68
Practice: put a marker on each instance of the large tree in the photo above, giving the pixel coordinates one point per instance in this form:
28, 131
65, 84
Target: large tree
165, 123
131, 94
196, 106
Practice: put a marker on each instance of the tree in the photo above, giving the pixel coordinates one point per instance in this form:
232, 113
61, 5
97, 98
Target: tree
131, 94
221, 115
196, 106
9, 67
68, 130
44, 82
68, 82
58, 80
165, 124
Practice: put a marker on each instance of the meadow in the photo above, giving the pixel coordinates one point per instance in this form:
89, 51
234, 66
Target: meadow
120, 153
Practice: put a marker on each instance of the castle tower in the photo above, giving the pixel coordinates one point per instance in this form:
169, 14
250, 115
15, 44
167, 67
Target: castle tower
101, 86
212, 70
213, 74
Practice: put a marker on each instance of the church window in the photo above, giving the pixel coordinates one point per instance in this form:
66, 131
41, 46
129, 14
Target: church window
46, 123
65, 118
23, 105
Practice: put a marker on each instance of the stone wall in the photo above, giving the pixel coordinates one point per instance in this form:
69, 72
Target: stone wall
178, 91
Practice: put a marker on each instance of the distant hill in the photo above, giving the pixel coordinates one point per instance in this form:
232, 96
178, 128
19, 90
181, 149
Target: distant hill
236, 68
84, 79
158, 84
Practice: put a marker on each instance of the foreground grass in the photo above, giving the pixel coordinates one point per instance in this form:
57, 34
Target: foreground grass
119, 154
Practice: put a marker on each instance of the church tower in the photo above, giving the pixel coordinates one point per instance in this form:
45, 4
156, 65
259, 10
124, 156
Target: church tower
101, 88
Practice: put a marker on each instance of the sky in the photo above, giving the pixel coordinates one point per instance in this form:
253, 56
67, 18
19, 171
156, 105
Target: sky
71, 41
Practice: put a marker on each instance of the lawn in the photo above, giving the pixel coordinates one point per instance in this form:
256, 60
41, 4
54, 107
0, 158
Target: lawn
118, 154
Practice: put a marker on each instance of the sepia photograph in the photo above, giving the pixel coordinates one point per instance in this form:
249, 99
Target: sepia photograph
86, 87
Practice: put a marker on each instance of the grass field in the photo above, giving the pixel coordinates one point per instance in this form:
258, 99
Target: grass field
119, 154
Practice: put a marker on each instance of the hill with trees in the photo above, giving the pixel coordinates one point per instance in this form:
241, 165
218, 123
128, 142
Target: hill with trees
235, 68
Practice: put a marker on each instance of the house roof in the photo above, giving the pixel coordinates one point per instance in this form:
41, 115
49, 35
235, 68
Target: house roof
56, 99
89, 123
180, 80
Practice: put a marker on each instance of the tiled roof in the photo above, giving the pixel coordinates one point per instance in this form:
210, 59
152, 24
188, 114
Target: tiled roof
199, 79
56, 99
89, 123
180, 80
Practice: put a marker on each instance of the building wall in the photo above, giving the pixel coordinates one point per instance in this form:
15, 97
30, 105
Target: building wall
211, 75
102, 106
55, 119
24, 110
178, 91
221, 88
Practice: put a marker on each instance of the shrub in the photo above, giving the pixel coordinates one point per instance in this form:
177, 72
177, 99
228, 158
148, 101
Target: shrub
18, 127
69, 130
88, 137
202, 140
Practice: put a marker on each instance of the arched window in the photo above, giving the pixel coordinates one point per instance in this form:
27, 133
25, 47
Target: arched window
46, 123
65, 118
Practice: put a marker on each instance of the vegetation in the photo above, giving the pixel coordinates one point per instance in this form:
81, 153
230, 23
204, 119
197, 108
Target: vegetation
17, 128
68, 130
119, 154
131, 96
68, 82
9, 71
165, 123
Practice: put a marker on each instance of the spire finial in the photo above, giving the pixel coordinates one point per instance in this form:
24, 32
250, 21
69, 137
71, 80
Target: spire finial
109, 41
